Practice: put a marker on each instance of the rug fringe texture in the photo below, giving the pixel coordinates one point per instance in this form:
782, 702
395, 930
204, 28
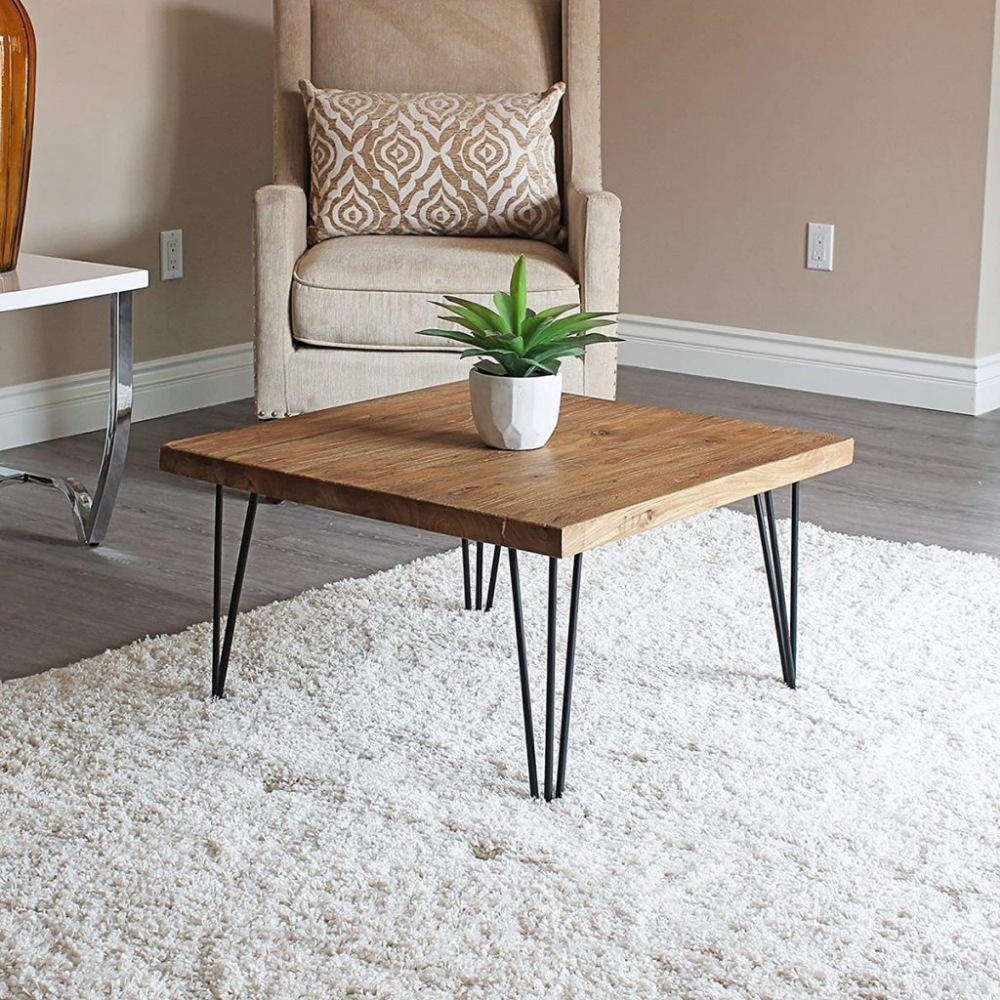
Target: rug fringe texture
353, 820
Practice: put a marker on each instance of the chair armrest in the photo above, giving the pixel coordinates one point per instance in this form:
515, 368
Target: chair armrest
594, 224
594, 227
280, 221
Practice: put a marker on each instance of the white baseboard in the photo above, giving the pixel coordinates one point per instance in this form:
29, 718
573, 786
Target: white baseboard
910, 378
41, 411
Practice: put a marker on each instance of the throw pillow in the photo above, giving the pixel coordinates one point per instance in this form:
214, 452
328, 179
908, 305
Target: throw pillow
433, 164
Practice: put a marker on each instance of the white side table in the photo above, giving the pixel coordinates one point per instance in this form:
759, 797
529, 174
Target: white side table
44, 281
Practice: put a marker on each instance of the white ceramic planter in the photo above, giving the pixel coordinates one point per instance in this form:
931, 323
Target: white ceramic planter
516, 414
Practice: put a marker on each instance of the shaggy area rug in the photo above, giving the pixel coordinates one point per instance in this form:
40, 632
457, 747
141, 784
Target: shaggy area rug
353, 821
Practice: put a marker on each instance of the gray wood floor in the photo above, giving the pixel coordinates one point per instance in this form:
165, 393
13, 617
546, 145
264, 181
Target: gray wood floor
919, 476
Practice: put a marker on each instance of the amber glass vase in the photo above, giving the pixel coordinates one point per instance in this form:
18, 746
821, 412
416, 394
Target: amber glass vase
17, 117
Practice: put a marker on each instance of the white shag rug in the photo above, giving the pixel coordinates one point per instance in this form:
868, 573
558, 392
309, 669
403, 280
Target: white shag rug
353, 821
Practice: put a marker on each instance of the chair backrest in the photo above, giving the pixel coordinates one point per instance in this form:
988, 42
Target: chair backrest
457, 46
398, 46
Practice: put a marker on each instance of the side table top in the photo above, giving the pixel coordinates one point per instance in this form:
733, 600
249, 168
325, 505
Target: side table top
611, 469
45, 281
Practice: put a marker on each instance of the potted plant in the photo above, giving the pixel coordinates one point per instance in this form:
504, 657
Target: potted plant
516, 386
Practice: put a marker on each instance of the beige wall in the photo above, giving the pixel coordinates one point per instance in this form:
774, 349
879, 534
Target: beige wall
730, 124
988, 340
152, 114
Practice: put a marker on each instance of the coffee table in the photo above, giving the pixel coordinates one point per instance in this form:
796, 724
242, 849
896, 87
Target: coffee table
611, 470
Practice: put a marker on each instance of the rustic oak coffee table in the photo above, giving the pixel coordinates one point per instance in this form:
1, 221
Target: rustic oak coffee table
610, 470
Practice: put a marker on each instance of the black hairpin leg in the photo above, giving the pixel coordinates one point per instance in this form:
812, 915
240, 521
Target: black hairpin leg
794, 578
574, 613
785, 614
494, 572
467, 576
220, 657
554, 782
522, 663
550, 677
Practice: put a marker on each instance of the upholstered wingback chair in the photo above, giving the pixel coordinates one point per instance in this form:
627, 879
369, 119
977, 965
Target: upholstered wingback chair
336, 322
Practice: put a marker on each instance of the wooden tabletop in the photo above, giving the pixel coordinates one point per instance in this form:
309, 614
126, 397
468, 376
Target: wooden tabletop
610, 470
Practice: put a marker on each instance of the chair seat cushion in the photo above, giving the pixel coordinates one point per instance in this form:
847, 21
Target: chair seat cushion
373, 291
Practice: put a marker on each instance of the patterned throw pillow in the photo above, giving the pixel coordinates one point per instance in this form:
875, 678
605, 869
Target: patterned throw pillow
433, 164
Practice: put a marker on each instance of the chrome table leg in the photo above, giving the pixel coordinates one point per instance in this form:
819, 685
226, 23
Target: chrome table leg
92, 511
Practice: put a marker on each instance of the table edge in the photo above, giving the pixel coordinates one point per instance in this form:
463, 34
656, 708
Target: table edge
558, 541
128, 280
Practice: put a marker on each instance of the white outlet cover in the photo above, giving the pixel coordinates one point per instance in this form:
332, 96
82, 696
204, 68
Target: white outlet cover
171, 255
819, 246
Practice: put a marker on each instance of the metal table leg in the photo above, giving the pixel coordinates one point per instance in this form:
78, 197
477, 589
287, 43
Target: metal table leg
479, 576
574, 615
221, 653
522, 663
494, 571
92, 511
467, 576
785, 613
554, 775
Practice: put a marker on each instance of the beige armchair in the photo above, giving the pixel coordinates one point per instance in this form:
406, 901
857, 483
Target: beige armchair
336, 322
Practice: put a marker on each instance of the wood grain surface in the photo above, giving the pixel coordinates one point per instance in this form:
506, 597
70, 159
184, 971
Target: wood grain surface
610, 470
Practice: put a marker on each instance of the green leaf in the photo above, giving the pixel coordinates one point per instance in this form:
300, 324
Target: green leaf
553, 311
493, 352
549, 367
578, 340
483, 312
519, 293
458, 336
561, 351
533, 326
572, 324
594, 338
490, 336
472, 319
468, 324
490, 368
448, 334
509, 362
505, 307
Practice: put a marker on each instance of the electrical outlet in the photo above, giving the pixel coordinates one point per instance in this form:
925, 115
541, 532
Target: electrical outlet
819, 247
171, 254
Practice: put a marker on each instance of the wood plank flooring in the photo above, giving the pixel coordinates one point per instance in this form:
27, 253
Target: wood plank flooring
918, 475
